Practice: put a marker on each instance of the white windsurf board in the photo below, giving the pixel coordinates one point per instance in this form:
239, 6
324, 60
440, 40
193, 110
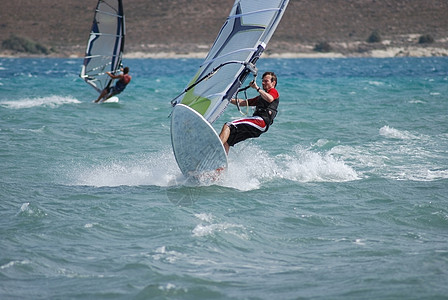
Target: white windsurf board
196, 145
113, 99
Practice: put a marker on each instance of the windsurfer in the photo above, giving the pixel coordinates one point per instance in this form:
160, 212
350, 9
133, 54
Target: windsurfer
123, 80
265, 103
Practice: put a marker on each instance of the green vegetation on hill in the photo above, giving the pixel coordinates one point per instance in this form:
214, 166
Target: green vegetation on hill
21, 44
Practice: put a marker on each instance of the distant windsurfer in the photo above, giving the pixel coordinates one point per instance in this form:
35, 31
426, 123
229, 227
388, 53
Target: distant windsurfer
123, 80
265, 103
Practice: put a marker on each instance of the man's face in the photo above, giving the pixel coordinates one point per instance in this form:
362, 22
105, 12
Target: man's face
267, 83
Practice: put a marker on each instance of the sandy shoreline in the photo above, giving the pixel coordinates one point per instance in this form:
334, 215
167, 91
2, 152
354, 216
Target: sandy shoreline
379, 53
388, 52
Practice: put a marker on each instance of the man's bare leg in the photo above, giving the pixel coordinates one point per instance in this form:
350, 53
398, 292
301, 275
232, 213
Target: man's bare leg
224, 136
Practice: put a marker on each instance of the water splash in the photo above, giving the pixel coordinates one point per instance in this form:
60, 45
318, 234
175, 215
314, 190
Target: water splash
158, 169
250, 168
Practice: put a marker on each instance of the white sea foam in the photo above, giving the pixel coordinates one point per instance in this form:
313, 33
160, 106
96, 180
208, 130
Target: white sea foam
28, 209
401, 156
39, 130
24, 206
376, 83
49, 101
390, 132
417, 173
415, 101
209, 226
204, 217
168, 287
167, 256
13, 263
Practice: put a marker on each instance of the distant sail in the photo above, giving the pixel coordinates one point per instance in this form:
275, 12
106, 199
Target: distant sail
105, 45
232, 58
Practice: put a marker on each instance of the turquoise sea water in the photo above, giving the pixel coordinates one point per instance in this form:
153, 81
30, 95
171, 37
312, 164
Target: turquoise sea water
344, 198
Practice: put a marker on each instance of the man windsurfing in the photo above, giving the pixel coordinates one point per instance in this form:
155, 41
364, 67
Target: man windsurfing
123, 80
265, 103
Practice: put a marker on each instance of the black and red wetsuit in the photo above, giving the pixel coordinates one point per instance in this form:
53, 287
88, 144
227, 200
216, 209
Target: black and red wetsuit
120, 85
251, 127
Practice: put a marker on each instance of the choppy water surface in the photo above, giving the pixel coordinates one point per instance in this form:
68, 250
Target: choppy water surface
344, 198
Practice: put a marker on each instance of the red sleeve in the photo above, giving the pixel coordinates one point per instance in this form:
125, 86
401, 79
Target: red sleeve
273, 92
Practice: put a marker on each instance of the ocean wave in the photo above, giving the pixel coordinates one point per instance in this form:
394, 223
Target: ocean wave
402, 156
417, 173
209, 226
49, 101
250, 167
15, 263
393, 133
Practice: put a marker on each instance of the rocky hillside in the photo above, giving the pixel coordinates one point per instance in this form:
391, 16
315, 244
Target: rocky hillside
192, 25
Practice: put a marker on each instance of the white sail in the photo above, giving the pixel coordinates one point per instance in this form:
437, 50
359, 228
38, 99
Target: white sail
105, 44
239, 44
